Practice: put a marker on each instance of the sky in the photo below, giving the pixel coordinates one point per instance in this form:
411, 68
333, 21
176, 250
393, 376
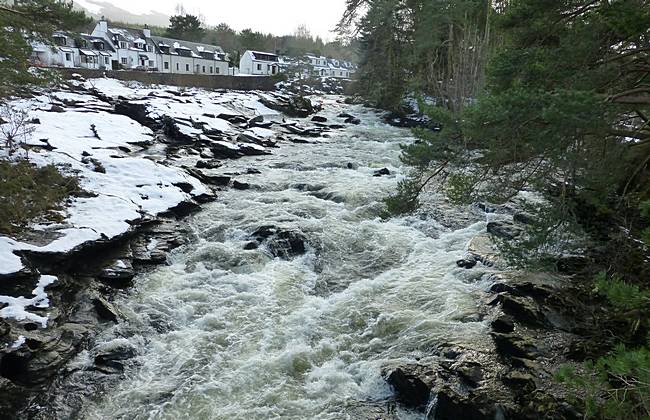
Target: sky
279, 17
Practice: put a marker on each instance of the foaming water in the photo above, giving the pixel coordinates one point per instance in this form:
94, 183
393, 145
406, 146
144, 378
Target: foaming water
228, 333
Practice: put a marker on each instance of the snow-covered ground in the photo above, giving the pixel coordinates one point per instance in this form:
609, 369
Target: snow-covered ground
136, 184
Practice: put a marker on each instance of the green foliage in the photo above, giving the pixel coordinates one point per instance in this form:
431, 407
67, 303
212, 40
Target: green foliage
28, 192
622, 295
186, 27
22, 23
615, 387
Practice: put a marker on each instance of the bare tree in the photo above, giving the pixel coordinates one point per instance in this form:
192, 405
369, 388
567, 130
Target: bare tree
15, 128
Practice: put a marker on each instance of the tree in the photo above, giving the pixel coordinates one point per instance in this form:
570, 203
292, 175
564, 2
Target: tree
24, 22
186, 27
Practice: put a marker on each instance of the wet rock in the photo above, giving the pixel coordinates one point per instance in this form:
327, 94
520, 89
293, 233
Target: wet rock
56, 108
293, 106
450, 405
503, 324
233, 118
318, 118
280, 242
504, 230
409, 389
353, 120
183, 209
352, 166
467, 263
382, 172
186, 187
409, 121
240, 185
471, 373
118, 275
110, 356
253, 171
105, 309
219, 180
336, 126
512, 345
137, 112
523, 218
522, 309
255, 120
251, 245
208, 164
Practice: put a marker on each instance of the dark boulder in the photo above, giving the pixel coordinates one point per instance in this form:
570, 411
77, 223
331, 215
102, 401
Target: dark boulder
319, 118
281, 242
251, 245
353, 120
503, 324
382, 172
208, 164
137, 112
467, 263
105, 309
186, 187
409, 389
240, 185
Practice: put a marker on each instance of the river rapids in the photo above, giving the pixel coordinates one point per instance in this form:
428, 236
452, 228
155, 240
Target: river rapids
227, 333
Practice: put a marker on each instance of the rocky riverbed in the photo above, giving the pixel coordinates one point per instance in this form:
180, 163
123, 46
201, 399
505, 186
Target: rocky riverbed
228, 260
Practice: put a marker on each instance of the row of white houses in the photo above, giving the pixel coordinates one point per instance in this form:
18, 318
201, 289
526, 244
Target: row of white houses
264, 63
112, 48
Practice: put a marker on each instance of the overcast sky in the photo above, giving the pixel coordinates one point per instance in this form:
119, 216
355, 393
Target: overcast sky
279, 17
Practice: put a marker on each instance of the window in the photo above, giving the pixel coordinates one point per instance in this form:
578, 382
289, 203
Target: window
150, 63
67, 56
259, 67
217, 70
166, 65
187, 67
204, 69
123, 45
210, 69
124, 61
177, 67
149, 48
106, 60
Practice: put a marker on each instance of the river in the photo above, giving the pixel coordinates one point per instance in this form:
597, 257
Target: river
227, 333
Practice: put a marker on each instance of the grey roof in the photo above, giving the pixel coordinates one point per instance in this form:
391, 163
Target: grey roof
195, 47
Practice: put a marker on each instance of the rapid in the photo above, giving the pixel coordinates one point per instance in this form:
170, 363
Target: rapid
228, 333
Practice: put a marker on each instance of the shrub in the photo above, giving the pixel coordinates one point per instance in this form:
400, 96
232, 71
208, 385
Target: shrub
28, 192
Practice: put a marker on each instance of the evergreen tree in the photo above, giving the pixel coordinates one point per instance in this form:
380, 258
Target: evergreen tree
23, 22
186, 27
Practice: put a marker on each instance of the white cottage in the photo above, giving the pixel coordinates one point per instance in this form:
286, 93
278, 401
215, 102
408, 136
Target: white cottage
259, 63
62, 54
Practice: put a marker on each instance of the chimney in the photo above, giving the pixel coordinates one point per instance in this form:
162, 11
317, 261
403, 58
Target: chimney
146, 32
103, 25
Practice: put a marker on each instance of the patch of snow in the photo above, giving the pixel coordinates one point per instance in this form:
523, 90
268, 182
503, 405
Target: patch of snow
260, 132
17, 306
19, 342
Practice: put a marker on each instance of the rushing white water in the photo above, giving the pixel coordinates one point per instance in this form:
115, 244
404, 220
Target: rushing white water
228, 333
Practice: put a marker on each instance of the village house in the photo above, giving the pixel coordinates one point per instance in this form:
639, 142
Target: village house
259, 63
113, 48
190, 57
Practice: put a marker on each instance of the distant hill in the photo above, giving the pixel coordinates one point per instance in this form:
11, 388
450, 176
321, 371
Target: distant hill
98, 8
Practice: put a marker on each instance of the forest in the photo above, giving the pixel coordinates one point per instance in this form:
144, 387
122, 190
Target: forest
550, 96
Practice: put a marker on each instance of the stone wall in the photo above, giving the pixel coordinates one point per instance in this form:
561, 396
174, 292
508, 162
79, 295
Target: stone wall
185, 80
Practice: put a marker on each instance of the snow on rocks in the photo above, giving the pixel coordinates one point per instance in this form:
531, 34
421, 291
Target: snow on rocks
117, 159
17, 307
